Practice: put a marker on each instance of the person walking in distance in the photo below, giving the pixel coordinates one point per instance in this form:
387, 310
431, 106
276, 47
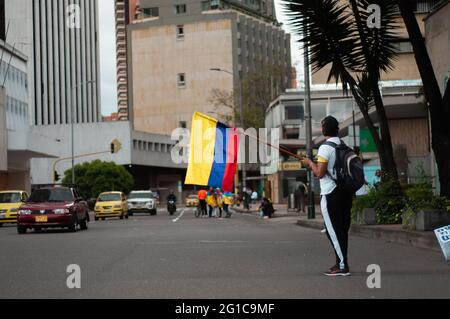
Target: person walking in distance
336, 200
300, 197
211, 201
202, 194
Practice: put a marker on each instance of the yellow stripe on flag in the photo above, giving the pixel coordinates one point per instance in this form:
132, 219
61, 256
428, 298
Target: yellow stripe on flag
201, 154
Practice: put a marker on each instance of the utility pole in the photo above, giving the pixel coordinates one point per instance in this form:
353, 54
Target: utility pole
308, 119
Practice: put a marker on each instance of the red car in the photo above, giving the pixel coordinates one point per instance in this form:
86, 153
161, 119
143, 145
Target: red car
53, 207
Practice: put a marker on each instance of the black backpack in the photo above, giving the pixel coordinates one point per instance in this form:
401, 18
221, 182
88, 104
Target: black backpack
348, 168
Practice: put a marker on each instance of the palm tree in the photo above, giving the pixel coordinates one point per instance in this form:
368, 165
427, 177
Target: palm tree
438, 105
337, 34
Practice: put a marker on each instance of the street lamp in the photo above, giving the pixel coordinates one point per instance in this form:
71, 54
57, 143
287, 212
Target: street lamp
241, 115
72, 116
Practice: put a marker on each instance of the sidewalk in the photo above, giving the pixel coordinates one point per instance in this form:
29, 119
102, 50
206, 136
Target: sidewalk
390, 233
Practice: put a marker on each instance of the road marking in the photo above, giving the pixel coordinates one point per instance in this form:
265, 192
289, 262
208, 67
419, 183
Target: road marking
179, 217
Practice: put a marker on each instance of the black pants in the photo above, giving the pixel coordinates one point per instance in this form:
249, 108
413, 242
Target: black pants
203, 207
336, 211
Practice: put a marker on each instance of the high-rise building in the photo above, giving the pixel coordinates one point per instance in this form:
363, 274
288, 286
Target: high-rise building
126, 11
60, 39
176, 48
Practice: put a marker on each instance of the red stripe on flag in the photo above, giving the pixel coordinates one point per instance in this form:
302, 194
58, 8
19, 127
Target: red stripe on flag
232, 156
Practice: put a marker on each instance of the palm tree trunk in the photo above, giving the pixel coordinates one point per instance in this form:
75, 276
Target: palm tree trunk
439, 111
386, 150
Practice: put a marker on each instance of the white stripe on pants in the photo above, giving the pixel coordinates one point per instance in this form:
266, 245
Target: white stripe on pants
330, 230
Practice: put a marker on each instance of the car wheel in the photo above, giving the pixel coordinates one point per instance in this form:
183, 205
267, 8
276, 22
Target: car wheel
103, 218
130, 214
126, 216
153, 212
121, 216
21, 230
96, 218
1, 225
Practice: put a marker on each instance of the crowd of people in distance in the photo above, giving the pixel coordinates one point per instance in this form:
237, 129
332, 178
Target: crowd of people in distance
216, 203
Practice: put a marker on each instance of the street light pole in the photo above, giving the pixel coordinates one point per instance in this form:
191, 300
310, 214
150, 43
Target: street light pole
308, 118
72, 121
241, 115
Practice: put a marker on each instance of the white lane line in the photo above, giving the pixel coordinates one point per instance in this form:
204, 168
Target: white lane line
179, 217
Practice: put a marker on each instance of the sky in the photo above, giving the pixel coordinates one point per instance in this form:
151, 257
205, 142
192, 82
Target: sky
108, 53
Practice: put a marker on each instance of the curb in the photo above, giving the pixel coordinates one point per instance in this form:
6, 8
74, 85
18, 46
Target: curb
388, 233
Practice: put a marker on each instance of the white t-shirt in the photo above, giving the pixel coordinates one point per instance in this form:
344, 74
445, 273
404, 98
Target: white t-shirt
327, 154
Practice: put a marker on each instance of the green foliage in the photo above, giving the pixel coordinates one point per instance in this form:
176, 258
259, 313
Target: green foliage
391, 205
97, 177
386, 200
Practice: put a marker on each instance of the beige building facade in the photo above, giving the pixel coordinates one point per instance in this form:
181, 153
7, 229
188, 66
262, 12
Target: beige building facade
437, 35
179, 53
162, 99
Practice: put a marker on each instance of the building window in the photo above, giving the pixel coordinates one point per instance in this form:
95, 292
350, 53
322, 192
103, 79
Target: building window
180, 9
150, 12
181, 80
210, 5
180, 31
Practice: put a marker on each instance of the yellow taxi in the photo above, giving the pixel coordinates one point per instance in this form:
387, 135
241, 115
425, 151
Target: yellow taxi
111, 204
192, 201
10, 202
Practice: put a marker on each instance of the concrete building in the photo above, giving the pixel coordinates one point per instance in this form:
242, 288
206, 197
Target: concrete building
126, 13
18, 145
405, 67
437, 36
60, 39
174, 45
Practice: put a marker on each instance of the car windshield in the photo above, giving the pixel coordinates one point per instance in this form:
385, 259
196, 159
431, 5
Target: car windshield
51, 195
7, 198
141, 195
109, 198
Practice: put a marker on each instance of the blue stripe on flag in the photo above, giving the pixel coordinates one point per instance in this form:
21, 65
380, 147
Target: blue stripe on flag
220, 157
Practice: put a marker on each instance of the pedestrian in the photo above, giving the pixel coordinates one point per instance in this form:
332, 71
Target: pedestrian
227, 200
266, 208
336, 203
254, 197
211, 201
202, 194
300, 197
377, 181
246, 200
219, 203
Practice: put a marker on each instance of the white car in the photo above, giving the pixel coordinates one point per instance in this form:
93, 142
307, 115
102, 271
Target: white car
142, 202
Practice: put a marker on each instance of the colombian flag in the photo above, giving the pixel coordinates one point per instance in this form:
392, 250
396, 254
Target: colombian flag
213, 153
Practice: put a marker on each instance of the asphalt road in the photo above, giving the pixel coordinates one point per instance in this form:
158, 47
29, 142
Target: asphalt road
185, 257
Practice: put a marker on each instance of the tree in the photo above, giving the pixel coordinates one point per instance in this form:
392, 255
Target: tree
97, 177
337, 34
438, 104
259, 89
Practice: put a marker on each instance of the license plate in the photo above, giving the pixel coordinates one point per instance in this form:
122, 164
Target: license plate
106, 211
41, 219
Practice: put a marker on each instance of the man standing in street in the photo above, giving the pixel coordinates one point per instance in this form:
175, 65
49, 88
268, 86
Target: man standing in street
336, 203
202, 194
